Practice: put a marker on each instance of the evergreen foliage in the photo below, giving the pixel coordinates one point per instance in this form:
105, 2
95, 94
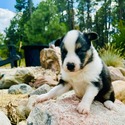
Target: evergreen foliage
111, 56
52, 18
44, 25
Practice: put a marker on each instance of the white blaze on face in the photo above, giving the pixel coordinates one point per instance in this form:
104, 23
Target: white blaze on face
71, 57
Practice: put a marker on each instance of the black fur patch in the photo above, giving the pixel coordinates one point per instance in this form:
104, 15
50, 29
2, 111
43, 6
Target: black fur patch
82, 47
97, 84
63, 52
83, 42
107, 88
61, 81
112, 96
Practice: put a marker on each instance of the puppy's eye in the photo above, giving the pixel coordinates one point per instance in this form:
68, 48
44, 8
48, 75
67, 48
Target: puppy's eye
80, 50
64, 52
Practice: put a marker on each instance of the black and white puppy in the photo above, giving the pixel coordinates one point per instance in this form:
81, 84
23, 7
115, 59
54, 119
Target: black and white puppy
83, 71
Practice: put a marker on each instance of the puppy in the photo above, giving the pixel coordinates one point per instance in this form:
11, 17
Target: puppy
83, 71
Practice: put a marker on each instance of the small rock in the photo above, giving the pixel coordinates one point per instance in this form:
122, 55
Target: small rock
4, 119
20, 89
22, 123
41, 90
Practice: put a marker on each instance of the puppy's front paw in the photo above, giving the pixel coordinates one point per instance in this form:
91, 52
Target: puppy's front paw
41, 98
83, 109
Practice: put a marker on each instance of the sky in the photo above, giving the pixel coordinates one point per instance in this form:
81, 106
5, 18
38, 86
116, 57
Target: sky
7, 12
9, 4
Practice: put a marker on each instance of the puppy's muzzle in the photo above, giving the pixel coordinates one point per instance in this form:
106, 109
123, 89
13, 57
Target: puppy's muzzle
70, 66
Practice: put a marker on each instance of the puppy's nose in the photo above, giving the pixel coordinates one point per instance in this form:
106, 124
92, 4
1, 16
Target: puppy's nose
70, 66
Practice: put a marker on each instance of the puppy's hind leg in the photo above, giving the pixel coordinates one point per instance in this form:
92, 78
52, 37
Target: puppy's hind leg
110, 98
110, 105
56, 91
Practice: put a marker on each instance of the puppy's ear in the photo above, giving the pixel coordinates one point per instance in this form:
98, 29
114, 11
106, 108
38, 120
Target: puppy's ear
58, 42
91, 36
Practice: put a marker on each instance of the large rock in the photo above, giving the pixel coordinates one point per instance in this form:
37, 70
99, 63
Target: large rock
63, 112
20, 89
35, 76
4, 119
116, 73
122, 70
50, 58
31, 101
119, 88
19, 76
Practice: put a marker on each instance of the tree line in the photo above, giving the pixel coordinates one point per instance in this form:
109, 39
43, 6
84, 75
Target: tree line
51, 19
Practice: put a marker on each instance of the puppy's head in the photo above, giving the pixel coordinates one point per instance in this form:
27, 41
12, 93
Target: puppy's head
76, 50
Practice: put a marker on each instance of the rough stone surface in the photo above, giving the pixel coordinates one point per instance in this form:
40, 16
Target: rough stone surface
4, 119
35, 76
63, 112
116, 73
22, 123
41, 80
17, 77
41, 90
17, 113
50, 58
20, 89
31, 100
119, 88
122, 70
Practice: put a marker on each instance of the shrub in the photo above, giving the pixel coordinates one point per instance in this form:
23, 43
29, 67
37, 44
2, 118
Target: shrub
111, 56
